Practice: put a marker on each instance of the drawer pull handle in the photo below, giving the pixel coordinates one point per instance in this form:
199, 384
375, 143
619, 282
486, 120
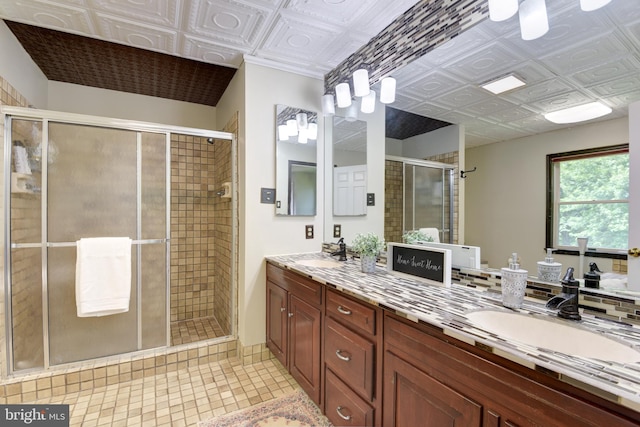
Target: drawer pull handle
344, 417
344, 311
341, 357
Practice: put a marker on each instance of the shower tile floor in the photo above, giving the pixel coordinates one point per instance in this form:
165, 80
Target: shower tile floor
179, 398
194, 330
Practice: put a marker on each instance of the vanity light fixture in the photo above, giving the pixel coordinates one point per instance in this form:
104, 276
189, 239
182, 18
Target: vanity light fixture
328, 105
503, 84
589, 5
303, 136
301, 120
351, 114
534, 22
283, 133
369, 102
312, 131
361, 82
387, 90
292, 127
580, 113
343, 95
500, 10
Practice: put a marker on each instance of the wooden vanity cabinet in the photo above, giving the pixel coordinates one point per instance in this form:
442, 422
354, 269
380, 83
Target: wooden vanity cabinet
352, 355
294, 325
431, 379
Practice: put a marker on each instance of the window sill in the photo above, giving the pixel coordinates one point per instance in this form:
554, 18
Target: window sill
592, 254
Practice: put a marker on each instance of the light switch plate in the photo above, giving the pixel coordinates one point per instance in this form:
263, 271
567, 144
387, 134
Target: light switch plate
371, 199
308, 231
337, 230
268, 195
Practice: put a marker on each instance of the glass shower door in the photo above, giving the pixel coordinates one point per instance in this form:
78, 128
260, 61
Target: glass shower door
91, 193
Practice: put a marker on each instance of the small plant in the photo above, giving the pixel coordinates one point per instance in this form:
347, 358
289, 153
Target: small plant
414, 236
368, 244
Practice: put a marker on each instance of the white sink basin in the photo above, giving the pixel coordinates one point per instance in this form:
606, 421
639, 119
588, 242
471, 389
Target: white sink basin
320, 263
553, 335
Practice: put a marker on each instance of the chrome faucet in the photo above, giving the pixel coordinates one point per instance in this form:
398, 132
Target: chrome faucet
342, 252
567, 301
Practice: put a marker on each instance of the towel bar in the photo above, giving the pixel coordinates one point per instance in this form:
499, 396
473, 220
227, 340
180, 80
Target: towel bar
70, 244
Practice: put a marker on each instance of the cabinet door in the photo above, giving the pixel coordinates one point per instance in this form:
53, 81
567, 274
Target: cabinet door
413, 398
277, 322
304, 341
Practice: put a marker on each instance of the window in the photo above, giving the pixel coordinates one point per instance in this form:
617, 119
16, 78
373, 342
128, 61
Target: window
588, 196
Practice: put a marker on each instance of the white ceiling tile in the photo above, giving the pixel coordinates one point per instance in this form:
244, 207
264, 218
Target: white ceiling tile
462, 45
203, 50
431, 85
57, 16
587, 54
607, 71
622, 85
463, 96
491, 61
230, 22
559, 102
543, 90
137, 34
162, 12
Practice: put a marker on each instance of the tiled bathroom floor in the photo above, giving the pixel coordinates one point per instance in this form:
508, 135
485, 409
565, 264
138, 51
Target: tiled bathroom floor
178, 398
193, 330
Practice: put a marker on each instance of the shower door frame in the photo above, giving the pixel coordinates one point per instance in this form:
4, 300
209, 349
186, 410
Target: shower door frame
46, 116
446, 169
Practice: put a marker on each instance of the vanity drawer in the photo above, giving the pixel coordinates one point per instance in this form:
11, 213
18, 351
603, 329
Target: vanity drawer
350, 356
343, 407
351, 313
303, 288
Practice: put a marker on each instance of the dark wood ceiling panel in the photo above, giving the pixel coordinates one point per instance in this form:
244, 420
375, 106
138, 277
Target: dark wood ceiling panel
86, 61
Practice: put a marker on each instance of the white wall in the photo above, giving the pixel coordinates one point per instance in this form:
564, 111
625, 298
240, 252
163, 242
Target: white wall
505, 198
439, 141
79, 99
254, 92
20, 71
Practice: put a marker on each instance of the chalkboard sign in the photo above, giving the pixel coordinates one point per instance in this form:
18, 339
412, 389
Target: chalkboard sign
430, 264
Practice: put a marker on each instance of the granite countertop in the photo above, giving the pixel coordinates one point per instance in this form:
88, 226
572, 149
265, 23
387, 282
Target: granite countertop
446, 308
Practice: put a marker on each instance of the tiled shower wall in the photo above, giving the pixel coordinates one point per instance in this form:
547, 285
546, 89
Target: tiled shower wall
192, 217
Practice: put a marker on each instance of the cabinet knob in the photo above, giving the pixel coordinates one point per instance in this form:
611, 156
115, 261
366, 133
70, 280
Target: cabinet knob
290, 315
344, 311
341, 357
634, 252
282, 309
344, 417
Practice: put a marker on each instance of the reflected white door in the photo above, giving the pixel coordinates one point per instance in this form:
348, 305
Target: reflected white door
350, 190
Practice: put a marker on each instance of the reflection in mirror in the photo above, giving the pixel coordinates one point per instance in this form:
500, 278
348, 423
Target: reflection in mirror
349, 167
296, 161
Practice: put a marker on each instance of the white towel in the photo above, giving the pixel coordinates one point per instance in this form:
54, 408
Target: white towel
103, 276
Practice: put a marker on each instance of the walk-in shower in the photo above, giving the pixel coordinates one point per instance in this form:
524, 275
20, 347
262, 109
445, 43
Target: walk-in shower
71, 176
421, 196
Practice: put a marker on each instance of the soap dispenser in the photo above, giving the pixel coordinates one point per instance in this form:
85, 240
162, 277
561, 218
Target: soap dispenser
513, 283
592, 278
548, 270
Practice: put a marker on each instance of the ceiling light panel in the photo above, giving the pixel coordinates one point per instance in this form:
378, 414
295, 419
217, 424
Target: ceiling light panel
503, 85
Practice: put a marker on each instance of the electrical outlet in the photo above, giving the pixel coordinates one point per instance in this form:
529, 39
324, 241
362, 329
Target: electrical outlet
308, 231
337, 230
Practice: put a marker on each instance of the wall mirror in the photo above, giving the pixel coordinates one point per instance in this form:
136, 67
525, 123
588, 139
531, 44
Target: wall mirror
444, 84
349, 143
296, 161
